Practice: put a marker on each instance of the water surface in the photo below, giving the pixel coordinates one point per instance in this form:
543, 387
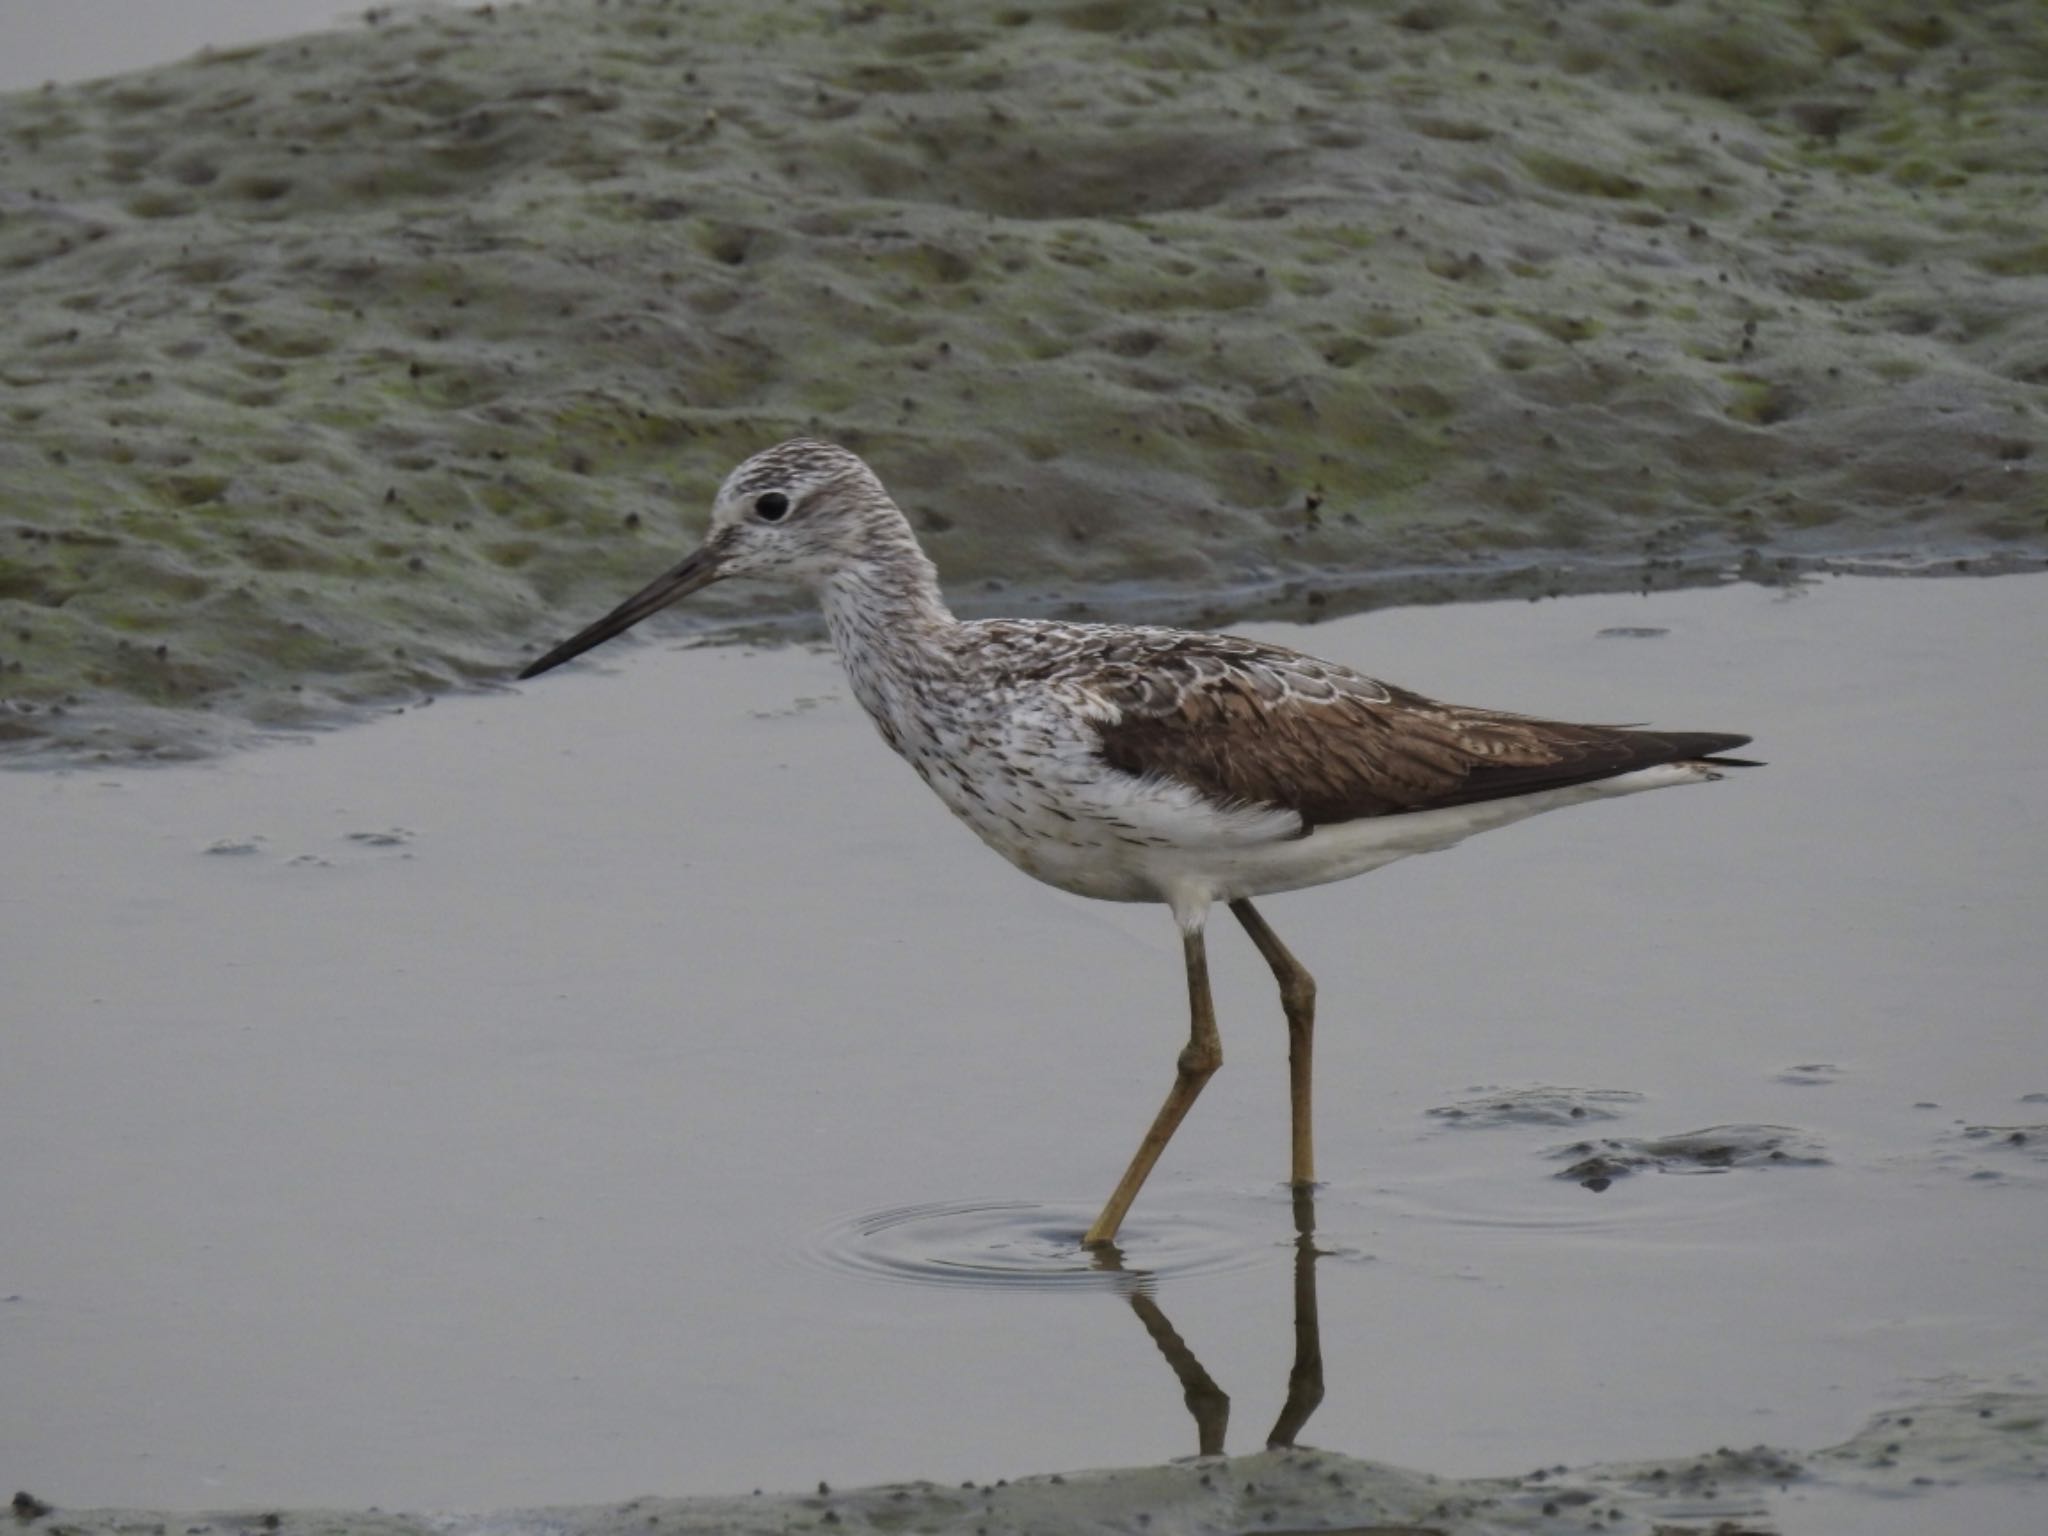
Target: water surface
615, 1085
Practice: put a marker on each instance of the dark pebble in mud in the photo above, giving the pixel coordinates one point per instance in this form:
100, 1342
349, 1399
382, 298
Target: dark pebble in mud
1631, 632
394, 837
1812, 1074
1597, 1164
1537, 1106
2031, 1139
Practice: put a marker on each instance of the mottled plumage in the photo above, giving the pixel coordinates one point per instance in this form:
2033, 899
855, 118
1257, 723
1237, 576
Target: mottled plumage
1248, 723
1143, 764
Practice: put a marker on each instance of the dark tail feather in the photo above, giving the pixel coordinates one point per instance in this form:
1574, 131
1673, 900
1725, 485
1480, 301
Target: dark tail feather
1697, 746
1707, 747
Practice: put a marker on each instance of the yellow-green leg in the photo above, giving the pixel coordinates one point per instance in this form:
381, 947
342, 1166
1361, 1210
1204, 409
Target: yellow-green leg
1298, 1001
1197, 1064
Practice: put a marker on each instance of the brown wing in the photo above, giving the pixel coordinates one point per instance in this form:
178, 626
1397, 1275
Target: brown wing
1249, 723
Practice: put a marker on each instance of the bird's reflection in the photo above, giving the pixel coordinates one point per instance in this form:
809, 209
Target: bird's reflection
1209, 1403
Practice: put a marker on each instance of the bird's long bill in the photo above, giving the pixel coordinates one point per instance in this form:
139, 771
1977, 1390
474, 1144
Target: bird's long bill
699, 570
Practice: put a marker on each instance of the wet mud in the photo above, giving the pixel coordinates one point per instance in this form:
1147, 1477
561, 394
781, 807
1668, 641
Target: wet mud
1597, 1164
340, 371
1886, 1477
1538, 1106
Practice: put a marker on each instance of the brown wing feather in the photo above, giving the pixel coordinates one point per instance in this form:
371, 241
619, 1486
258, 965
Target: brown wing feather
1248, 723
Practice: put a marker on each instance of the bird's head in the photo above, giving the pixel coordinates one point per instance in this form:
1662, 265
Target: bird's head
793, 514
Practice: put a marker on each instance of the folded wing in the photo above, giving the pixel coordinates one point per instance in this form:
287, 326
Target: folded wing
1242, 722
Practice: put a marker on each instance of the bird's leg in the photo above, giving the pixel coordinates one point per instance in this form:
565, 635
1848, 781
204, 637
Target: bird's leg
1198, 1062
1298, 1001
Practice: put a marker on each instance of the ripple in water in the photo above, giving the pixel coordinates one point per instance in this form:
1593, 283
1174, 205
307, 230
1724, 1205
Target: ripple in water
1018, 1244
1482, 1200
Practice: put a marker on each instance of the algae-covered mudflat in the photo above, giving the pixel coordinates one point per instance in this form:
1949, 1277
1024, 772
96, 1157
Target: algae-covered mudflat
337, 370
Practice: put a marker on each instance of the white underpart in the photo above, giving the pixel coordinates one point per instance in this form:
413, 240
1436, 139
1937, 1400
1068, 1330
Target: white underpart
1190, 878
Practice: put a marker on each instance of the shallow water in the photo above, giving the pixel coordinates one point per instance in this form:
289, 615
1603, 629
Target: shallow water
62, 40
635, 1082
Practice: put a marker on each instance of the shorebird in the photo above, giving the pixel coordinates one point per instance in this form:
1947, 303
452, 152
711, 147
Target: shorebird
1134, 763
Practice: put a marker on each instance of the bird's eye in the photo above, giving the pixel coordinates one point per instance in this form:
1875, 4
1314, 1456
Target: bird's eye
772, 507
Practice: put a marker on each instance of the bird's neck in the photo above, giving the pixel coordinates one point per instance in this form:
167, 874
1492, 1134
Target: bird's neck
889, 623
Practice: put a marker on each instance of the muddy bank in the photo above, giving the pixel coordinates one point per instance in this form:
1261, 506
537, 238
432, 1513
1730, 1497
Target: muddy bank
1896, 1472
341, 370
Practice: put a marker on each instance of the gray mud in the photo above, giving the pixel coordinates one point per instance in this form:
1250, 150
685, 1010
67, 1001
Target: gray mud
346, 369
1597, 1164
1538, 1106
1888, 1477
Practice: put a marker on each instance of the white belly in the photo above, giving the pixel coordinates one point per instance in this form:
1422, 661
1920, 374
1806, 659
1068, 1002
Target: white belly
1189, 855
1353, 847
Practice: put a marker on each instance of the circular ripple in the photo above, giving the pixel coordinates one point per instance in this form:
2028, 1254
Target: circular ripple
1640, 1210
1018, 1244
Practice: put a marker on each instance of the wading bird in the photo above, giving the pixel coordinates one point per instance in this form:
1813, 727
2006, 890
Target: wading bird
1139, 764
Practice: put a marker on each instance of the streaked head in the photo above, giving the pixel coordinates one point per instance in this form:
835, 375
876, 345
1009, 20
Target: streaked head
793, 513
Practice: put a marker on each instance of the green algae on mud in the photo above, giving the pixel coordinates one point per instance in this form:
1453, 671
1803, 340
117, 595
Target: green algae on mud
344, 370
